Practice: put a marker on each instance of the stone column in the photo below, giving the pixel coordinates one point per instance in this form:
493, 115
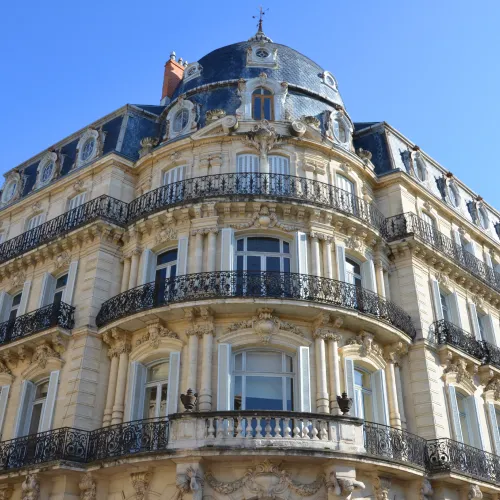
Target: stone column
392, 355
334, 365
322, 399
212, 250
192, 378
122, 348
126, 274
134, 268
315, 262
327, 258
205, 395
110, 397
379, 277
400, 395
198, 251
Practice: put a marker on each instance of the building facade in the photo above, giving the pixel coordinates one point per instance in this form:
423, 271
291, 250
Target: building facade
188, 289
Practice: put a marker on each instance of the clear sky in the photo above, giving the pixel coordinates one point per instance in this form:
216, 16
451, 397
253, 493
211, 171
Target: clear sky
430, 68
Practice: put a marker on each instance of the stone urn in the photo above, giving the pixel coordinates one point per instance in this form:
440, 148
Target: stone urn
344, 403
189, 400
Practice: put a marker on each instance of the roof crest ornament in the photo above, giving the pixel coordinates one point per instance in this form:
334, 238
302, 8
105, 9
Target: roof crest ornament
260, 36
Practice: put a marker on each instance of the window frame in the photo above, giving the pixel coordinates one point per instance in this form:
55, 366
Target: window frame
38, 401
245, 253
263, 98
159, 386
360, 391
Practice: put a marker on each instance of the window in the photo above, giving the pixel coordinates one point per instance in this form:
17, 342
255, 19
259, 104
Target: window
352, 272
340, 130
363, 394
445, 306
166, 269
263, 380
464, 418
35, 221
247, 164
429, 228
41, 392
329, 79
181, 120
60, 287
420, 170
173, 175
453, 195
76, 201
279, 166
88, 149
47, 171
346, 200
9, 191
155, 401
262, 104
262, 53
16, 302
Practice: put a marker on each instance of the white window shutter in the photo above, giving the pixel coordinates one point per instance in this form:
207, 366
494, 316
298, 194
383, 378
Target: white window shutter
455, 416
4, 396
340, 258
490, 329
174, 372
380, 407
182, 255
279, 165
224, 377
48, 290
475, 409
368, 275
474, 321
456, 238
487, 260
5, 305
495, 434
134, 406
301, 254
23, 305
227, 249
148, 266
248, 163
455, 311
50, 402
471, 248
349, 383
304, 379
436, 299
70, 284
23, 417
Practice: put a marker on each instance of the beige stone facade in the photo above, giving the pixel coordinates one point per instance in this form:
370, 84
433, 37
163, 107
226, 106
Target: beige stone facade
267, 266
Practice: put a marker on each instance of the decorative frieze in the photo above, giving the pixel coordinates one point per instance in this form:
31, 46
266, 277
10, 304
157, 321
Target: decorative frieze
366, 343
264, 217
394, 352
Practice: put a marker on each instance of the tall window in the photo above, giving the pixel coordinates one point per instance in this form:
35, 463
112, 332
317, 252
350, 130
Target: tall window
60, 287
155, 401
166, 269
16, 301
76, 201
429, 228
37, 406
35, 221
464, 418
352, 272
263, 380
363, 394
445, 306
262, 104
345, 195
174, 188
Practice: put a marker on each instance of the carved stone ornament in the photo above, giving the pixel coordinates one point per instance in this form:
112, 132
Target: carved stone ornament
200, 329
297, 128
342, 487
463, 371
426, 490
189, 482
4, 368
264, 218
355, 243
381, 486
214, 114
364, 154
266, 480
147, 145
166, 234
140, 483
155, 332
265, 324
6, 491
394, 352
118, 342
494, 385
326, 327
443, 279
13, 187
78, 186
62, 260
87, 487
18, 279
475, 492
48, 169
312, 121
366, 343
42, 354
30, 489
263, 137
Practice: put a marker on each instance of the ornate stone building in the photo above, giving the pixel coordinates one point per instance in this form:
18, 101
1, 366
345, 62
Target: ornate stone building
186, 290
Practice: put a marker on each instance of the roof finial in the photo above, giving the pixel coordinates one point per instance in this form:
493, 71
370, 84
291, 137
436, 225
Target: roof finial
262, 13
260, 36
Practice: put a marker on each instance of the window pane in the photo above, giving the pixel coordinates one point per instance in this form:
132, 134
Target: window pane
239, 263
42, 390
169, 256
286, 265
253, 264
368, 406
264, 393
62, 281
150, 402
267, 108
58, 297
238, 393
158, 372
238, 362
35, 418
289, 394
256, 108
288, 364
17, 299
239, 245
273, 264
286, 247
358, 378
267, 362
263, 245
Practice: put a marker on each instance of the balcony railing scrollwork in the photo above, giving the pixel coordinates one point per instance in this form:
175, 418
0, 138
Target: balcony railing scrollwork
408, 224
227, 284
57, 314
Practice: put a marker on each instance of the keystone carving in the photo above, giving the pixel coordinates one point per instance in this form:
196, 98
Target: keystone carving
18, 279
62, 260
140, 483
463, 371
366, 343
42, 354
155, 332
263, 137
264, 218
214, 114
166, 234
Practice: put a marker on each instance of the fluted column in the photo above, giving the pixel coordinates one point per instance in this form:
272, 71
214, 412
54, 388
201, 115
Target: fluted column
122, 348
205, 395
110, 396
315, 255
327, 258
379, 277
392, 355
134, 268
322, 399
334, 364
126, 274
212, 251
198, 251
192, 378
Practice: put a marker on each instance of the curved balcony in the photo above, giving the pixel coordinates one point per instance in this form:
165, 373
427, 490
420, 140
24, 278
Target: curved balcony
409, 224
251, 185
443, 332
247, 284
104, 208
61, 314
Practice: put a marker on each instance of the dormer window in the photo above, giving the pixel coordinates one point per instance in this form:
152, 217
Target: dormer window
9, 191
340, 129
88, 149
88, 146
262, 53
181, 120
262, 56
453, 195
329, 80
262, 104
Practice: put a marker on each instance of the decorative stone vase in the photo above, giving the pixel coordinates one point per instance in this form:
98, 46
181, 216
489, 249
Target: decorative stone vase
189, 400
344, 403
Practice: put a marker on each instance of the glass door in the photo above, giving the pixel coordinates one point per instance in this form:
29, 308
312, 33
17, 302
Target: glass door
346, 199
247, 179
166, 271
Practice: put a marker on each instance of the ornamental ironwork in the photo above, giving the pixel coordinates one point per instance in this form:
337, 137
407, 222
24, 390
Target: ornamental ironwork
265, 284
409, 224
59, 314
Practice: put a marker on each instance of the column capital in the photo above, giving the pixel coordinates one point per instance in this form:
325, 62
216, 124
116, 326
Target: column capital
394, 352
316, 235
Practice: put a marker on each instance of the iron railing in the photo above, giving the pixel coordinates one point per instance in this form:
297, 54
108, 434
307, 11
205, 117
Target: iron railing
448, 455
265, 284
251, 185
58, 314
395, 444
409, 224
444, 332
104, 207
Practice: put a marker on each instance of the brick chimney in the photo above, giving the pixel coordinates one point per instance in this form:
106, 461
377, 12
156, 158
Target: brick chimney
173, 75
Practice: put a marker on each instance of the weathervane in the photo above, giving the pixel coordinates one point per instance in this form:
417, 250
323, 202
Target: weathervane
262, 13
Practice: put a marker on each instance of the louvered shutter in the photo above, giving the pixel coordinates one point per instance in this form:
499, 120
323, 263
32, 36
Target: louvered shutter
248, 163
134, 406
279, 165
349, 383
23, 305
48, 290
380, 407
5, 305
495, 434
436, 299
173, 382
182, 255
304, 379
224, 377
476, 330
455, 311
148, 266
455, 415
368, 275
227, 249
70, 284
50, 402
340, 259
25, 408
301, 254
174, 175
4, 397
489, 329
475, 409
76, 201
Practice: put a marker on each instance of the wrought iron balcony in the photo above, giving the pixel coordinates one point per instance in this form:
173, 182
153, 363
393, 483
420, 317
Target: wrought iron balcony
251, 185
444, 332
103, 208
449, 455
227, 284
409, 224
60, 314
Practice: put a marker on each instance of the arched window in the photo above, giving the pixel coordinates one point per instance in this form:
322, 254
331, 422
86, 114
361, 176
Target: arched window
429, 228
156, 387
262, 104
181, 120
263, 380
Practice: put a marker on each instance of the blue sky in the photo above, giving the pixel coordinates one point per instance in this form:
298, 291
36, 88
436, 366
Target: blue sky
429, 68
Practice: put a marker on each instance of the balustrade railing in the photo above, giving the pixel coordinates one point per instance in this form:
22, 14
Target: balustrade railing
266, 284
407, 224
448, 455
57, 314
104, 207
